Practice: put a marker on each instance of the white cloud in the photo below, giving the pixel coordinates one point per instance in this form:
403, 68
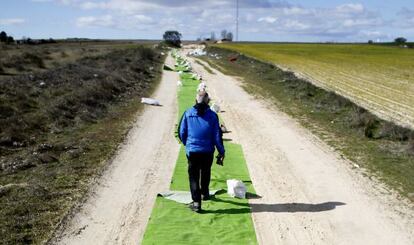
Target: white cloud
95, 21
267, 19
272, 18
350, 8
12, 21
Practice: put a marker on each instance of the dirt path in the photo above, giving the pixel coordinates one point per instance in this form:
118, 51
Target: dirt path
117, 211
309, 195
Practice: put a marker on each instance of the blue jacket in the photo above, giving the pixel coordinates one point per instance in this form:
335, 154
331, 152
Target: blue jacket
200, 133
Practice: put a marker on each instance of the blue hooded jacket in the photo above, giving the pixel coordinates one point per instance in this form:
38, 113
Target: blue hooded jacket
200, 132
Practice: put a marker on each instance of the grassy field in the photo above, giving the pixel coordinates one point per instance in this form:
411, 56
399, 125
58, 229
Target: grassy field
379, 78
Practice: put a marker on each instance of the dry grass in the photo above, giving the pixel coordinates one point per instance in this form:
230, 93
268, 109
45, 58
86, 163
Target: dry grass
58, 128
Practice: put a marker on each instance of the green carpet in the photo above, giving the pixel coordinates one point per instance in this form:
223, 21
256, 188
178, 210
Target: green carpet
224, 220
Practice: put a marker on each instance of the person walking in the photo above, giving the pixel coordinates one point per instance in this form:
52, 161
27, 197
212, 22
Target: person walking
200, 132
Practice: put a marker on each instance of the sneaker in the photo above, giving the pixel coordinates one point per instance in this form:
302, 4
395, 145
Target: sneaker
195, 206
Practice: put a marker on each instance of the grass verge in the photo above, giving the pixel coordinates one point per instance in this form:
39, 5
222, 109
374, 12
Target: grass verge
58, 131
385, 149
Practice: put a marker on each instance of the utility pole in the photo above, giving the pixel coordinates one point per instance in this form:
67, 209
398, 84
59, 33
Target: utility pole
237, 20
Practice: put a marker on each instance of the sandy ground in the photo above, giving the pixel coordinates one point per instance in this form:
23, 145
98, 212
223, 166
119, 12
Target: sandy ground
118, 210
309, 195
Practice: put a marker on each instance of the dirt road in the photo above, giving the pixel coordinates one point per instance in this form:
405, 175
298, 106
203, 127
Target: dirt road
117, 211
309, 195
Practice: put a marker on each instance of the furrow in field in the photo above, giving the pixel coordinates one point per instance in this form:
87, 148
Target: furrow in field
402, 112
378, 78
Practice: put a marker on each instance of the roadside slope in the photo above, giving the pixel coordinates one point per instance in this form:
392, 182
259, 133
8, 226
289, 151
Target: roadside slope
309, 195
119, 207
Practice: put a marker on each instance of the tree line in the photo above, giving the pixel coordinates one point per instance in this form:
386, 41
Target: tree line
4, 38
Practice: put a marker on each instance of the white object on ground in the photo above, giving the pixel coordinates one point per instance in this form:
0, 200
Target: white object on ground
179, 83
215, 107
236, 188
183, 197
201, 87
197, 52
150, 101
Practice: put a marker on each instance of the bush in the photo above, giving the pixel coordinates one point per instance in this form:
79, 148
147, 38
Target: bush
147, 53
34, 59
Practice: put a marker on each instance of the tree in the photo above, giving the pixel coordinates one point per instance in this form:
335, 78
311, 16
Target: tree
10, 40
229, 36
400, 40
172, 38
370, 42
3, 37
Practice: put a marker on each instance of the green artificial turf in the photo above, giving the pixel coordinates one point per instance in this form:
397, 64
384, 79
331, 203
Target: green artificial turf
224, 220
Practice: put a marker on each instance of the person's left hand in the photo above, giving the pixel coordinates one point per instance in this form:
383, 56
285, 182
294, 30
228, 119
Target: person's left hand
220, 159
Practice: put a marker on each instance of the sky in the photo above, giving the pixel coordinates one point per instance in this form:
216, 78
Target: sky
259, 20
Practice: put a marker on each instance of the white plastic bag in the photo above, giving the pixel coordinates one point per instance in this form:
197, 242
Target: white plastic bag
236, 188
150, 101
215, 107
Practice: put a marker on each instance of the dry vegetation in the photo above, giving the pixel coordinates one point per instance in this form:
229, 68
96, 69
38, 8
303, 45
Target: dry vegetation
58, 128
23, 59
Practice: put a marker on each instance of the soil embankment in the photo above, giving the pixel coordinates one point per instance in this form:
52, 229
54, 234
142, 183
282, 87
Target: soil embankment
59, 128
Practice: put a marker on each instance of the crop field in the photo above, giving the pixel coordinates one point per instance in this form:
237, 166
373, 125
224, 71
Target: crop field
379, 78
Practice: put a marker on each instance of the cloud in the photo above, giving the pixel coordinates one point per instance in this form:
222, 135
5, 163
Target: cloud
95, 21
138, 22
65, 2
12, 21
268, 19
273, 18
350, 8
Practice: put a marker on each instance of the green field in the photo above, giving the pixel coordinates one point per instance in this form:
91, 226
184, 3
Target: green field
379, 78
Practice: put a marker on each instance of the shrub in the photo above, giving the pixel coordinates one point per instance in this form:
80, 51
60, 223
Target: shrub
34, 59
147, 53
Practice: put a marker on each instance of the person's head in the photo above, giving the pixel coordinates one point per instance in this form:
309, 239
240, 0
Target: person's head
202, 98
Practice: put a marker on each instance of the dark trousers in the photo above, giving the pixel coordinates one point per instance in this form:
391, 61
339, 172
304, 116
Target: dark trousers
199, 171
